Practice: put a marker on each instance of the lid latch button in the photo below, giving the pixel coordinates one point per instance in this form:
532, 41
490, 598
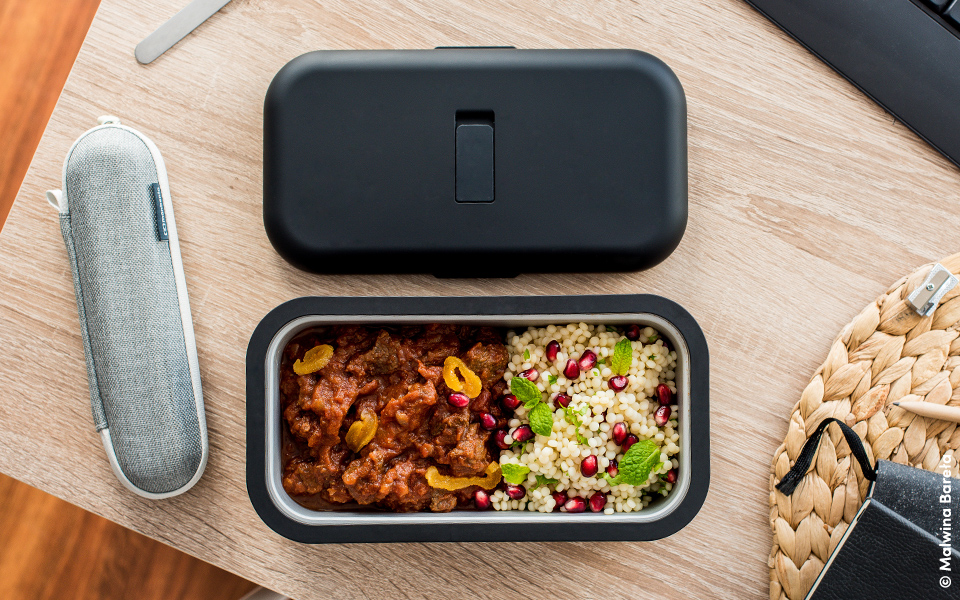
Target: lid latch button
475, 172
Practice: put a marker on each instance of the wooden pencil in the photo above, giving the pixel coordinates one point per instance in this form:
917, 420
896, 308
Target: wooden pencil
931, 410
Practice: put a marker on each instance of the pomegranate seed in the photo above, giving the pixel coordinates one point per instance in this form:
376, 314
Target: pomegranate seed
488, 421
632, 332
510, 401
560, 498
522, 433
575, 505
515, 492
631, 440
672, 476
664, 395
588, 466
613, 469
587, 360
531, 374
619, 433
481, 500
572, 370
598, 501
618, 383
498, 438
661, 416
553, 348
459, 400
561, 400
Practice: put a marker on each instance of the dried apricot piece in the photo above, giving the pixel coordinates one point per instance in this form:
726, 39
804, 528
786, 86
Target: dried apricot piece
362, 431
491, 478
314, 360
470, 385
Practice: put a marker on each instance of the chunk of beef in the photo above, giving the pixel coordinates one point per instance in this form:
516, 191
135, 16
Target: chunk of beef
470, 456
382, 359
488, 361
442, 501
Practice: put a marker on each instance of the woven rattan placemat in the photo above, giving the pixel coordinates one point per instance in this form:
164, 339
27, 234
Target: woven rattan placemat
887, 353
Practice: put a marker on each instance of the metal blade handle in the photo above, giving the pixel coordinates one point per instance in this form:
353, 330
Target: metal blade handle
174, 30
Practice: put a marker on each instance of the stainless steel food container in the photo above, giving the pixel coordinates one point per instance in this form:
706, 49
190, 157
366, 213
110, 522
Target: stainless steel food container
361, 524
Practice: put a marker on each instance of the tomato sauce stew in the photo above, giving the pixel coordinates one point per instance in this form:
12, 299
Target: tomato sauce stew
369, 417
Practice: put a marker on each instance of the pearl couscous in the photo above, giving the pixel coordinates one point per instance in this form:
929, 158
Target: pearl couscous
597, 415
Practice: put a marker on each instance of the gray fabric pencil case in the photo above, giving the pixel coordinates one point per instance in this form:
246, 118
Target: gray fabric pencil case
116, 217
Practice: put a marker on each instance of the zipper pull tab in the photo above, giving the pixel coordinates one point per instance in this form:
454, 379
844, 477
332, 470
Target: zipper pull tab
55, 198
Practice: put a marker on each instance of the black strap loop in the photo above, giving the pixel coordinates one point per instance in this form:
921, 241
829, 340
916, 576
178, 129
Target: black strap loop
792, 479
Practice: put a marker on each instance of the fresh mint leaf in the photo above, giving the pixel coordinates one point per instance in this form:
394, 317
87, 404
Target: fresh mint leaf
622, 357
542, 481
637, 463
653, 338
552, 379
513, 473
541, 419
526, 391
571, 416
526, 354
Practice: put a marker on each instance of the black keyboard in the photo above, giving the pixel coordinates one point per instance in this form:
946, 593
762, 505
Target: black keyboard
904, 54
944, 9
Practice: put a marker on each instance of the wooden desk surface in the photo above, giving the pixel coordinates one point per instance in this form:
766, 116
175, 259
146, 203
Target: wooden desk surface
806, 201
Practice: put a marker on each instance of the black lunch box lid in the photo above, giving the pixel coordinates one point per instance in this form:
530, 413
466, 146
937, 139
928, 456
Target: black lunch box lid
470, 162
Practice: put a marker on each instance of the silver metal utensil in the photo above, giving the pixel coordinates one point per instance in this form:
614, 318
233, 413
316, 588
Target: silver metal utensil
175, 29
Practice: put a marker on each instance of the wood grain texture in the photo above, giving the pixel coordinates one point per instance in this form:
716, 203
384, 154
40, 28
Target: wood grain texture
38, 42
52, 549
806, 200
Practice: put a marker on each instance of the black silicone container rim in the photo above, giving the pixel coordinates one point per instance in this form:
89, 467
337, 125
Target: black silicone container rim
467, 306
